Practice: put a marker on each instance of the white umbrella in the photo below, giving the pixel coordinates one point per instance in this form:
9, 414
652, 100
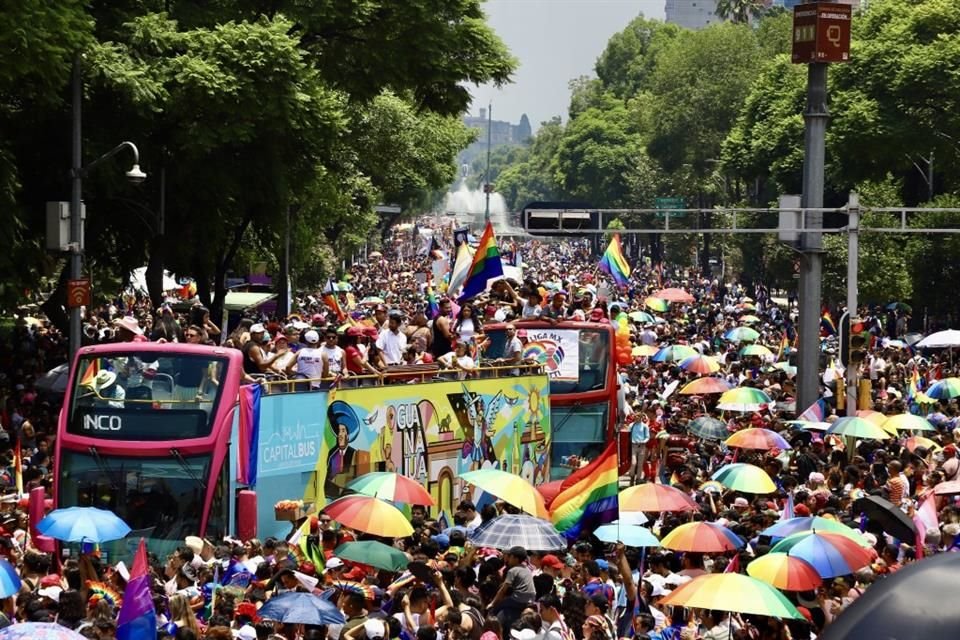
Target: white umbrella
55, 380
948, 338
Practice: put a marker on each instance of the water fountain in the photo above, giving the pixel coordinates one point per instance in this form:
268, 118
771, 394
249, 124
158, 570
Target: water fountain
468, 206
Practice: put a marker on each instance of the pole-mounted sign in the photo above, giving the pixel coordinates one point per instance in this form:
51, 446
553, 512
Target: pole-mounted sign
821, 32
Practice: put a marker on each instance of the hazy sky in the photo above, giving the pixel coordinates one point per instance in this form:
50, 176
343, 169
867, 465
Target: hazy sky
554, 41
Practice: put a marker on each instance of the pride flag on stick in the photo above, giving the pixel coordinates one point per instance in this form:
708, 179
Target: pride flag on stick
486, 265
614, 263
138, 619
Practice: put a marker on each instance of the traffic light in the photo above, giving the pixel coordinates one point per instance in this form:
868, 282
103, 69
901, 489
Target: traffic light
859, 340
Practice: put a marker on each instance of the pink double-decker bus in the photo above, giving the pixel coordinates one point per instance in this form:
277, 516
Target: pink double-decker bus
145, 432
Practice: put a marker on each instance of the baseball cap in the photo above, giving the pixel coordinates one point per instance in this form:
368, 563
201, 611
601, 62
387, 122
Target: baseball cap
741, 503
311, 337
257, 328
518, 552
551, 561
246, 632
334, 563
374, 628
603, 565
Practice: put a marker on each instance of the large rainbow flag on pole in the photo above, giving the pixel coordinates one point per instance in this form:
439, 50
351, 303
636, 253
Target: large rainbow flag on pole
138, 618
615, 263
486, 265
588, 497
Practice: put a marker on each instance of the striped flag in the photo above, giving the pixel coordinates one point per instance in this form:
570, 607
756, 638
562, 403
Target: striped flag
787, 509
138, 618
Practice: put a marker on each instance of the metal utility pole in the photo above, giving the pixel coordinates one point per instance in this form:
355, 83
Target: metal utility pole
811, 242
853, 264
486, 174
76, 223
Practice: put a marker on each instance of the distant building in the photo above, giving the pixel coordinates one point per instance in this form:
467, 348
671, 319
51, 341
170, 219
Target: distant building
692, 14
790, 4
501, 133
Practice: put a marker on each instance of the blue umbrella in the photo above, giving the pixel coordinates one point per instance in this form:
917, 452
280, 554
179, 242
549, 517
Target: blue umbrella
301, 608
708, 428
799, 524
83, 524
831, 554
38, 631
533, 534
9, 580
628, 534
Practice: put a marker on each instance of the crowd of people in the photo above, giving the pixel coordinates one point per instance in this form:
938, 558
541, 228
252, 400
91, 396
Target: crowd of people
393, 311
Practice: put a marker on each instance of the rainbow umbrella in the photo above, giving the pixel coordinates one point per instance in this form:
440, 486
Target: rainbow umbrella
708, 428
510, 488
763, 439
103, 591
747, 305
370, 515
831, 554
741, 334
906, 422
702, 537
913, 442
786, 572
944, 389
755, 350
788, 527
656, 304
644, 351
348, 586
732, 592
857, 428
705, 386
749, 319
674, 353
744, 477
743, 399
875, 417
373, 553
629, 534
391, 486
703, 365
642, 317
650, 496
673, 294
9, 580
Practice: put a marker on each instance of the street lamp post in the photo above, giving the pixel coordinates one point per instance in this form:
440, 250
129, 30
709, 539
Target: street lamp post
77, 173
486, 175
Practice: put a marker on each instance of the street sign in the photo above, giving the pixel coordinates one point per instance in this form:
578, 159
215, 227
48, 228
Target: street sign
668, 205
78, 293
821, 32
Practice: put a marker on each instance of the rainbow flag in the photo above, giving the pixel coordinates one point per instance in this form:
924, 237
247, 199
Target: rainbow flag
90, 375
784, 345
486, 265
588, 497
817, 412
137, 618
614, 263
329, 298
914, 389
827, 327
433, 307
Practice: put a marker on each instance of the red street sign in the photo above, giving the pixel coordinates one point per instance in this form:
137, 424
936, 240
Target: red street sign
78, 293
821, 32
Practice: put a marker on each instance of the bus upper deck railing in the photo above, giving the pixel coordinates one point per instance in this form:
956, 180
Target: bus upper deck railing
399, 374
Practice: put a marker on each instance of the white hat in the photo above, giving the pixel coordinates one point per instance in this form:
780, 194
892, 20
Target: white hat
194, 543
246, 632
312, 337
334, 563
52, 592
257, 328
523, 634
659, 591
104, 379
374, 628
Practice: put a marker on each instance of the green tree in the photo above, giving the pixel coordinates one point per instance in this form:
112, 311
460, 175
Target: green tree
627, 63
740, 11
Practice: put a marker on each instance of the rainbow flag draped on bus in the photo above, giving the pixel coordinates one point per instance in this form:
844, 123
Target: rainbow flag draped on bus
614, 263
588, 497
486, 265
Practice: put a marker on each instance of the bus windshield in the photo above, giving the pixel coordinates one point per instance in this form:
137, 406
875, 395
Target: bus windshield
160, 498
575, 359
140, 396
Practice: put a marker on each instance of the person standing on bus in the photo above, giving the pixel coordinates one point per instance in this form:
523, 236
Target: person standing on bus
309, 362
332, 356
255, 360
443, 336
393, 342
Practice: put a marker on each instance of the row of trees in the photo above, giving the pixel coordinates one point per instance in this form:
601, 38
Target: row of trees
247, 113
715, 117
